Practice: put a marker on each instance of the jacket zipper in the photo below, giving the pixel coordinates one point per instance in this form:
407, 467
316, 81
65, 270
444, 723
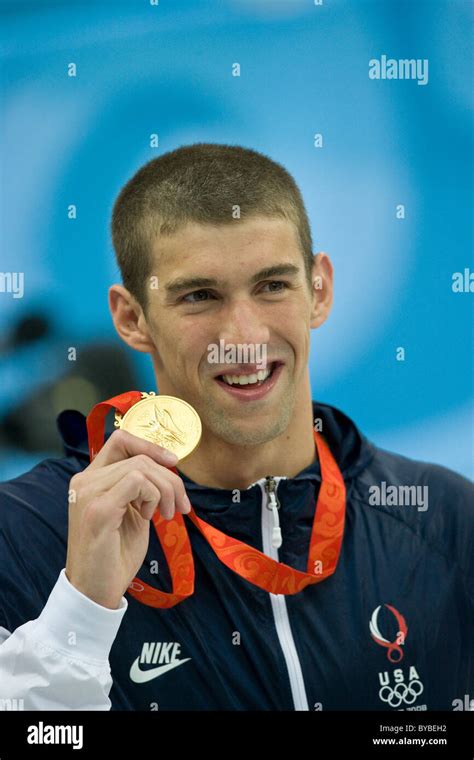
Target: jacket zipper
273, 504
272, 540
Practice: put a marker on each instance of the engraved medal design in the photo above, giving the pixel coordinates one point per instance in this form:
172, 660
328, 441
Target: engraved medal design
164, 420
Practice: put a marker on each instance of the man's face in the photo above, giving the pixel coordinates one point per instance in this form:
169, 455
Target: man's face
241, 304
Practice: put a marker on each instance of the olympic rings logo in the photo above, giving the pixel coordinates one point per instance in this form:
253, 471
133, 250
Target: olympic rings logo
401, 693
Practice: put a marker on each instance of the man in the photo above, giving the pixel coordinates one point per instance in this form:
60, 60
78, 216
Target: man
214, 247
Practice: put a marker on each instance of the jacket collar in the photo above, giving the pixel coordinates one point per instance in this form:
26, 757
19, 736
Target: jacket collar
351, 449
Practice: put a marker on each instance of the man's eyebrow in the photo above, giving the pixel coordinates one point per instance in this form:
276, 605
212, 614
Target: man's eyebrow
188, 283
277, 269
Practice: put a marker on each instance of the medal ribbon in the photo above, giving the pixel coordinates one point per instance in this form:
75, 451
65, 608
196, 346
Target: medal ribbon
250, 563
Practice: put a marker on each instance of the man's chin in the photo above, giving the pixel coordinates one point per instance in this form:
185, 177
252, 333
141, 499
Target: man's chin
244, 438
251, 428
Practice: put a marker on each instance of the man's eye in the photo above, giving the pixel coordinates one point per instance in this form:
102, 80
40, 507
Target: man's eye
278, 283
196, 293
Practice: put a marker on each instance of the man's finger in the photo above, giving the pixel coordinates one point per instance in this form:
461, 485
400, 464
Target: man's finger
123, 444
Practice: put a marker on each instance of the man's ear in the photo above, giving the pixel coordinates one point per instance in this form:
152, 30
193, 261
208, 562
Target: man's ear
129, 320
322, 293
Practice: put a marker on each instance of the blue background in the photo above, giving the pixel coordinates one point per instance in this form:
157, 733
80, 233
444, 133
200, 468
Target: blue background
143, 69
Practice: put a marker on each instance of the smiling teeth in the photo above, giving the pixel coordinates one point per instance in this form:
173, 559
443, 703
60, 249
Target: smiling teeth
259, 377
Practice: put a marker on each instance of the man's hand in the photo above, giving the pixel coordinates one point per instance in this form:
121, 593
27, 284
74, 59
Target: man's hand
109, 519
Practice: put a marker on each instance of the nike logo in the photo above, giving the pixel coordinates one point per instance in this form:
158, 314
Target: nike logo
142, 676
163, 654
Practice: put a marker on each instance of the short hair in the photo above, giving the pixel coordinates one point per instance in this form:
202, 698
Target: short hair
201, 183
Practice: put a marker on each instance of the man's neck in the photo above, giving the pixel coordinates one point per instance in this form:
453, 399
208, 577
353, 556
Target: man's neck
219, 465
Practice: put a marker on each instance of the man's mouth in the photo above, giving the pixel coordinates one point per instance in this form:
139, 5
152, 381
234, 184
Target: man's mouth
251, 382
251, 379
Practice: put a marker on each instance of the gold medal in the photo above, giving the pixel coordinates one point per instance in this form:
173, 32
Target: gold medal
165, 420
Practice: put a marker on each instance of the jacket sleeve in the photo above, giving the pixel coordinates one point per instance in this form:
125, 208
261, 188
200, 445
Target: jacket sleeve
60, 660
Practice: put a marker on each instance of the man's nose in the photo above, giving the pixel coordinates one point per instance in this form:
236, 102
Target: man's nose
242, 322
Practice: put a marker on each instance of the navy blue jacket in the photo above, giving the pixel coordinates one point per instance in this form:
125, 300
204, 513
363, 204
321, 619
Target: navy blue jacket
245, 649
